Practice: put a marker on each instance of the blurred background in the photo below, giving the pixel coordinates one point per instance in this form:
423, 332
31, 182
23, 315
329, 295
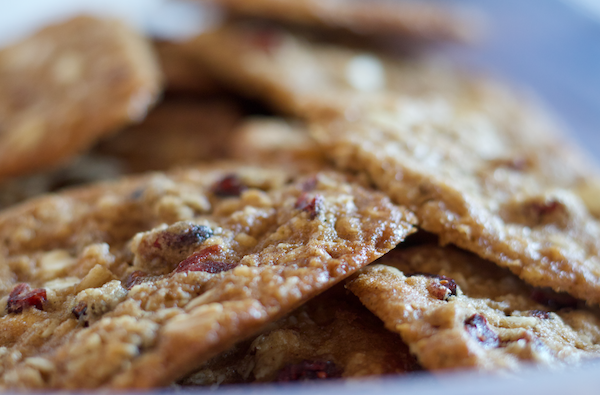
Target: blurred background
551, 47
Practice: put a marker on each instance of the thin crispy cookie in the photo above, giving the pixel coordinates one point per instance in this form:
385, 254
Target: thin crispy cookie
485, 172
304, 77
66, 86
403, 18
330, 336
455, 310
99, 294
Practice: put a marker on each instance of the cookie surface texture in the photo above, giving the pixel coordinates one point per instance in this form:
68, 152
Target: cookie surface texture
276, 140
66, 86
484, 171
136, 283
455, 310
403, 18
304, 77
330, 336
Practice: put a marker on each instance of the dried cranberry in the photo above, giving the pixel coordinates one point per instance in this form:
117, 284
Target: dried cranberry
80, 310
230, 185
212, 267
517, 163
198, 262
22, 297
309, 370
545, 208
552, 299
191, 236
311, 206
477, 326
443, 289
265, 39
539, 314
136, 278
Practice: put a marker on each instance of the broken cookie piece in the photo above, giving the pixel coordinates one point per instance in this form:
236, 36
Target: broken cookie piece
455, 310
482, 170
147, 278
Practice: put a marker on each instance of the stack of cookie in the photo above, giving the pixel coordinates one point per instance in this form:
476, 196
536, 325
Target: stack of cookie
303, 202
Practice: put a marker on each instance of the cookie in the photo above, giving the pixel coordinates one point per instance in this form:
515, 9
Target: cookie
402, 18
307, 78
136, 283
484, 171
276, 140
175, 133
68, 85
304, 77
182, 74
330, 336
455, 310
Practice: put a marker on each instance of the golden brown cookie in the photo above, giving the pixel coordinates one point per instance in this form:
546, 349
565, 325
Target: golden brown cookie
175, 133
485, 172
412, 19
181, 73
303, 77
330, 336
66, 86
138, 282
455, 310
276, 140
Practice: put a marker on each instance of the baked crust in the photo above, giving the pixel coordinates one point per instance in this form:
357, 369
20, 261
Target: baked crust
155, 274
485, 173
455, 310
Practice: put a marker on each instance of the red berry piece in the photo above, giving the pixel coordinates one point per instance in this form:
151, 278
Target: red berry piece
200, 262
22, 297
265, 39
228, 186
539, 314
441, 289
136, 278
191, 236
546, 208
311, 206
477, 326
